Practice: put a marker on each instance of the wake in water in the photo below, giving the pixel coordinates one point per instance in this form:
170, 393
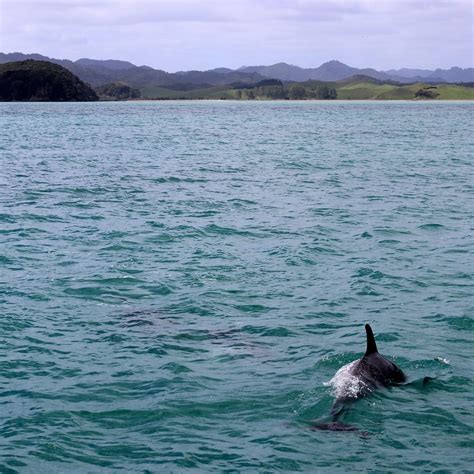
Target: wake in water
345, 385
358, 379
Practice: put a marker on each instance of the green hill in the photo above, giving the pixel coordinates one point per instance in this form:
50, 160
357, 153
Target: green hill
366, 88
117, 91
32, 80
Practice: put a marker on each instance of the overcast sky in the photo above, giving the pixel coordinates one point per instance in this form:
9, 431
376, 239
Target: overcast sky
203, 34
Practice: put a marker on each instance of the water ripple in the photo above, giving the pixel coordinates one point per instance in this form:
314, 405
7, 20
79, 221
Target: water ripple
179, 280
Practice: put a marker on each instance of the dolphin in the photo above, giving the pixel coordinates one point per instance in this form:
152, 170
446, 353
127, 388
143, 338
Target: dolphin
359, 379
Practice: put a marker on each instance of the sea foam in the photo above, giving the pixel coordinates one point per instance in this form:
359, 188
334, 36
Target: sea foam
346, 385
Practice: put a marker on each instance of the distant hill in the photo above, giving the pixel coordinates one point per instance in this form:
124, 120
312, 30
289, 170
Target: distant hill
112, 64
409, 73
100, 72
329, 71
335, 70
455, 74
32, 80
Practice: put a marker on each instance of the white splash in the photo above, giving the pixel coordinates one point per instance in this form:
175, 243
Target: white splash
442, 360
346, 385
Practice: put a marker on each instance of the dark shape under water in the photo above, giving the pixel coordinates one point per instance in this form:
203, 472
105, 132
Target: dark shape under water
358, 379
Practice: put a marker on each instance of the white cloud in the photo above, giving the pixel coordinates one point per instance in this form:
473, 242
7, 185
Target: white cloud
184, 34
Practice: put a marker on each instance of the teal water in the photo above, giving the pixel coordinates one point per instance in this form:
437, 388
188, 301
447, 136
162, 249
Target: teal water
179, 280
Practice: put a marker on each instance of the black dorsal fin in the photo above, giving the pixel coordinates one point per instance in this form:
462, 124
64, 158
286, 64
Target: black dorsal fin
371, 346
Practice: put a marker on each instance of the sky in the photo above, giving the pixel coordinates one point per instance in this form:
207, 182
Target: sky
203, 34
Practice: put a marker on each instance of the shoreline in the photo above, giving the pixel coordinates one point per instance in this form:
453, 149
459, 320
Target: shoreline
291, 100
427, 101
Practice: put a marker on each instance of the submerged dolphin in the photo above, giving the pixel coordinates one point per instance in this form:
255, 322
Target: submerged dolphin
358, 379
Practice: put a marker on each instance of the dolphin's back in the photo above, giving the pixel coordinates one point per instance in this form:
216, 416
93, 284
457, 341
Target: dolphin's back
358, 379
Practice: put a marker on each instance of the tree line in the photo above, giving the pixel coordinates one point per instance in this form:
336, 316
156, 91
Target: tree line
275, 89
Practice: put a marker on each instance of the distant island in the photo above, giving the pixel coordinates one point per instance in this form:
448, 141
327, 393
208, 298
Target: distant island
41, 81
62, 80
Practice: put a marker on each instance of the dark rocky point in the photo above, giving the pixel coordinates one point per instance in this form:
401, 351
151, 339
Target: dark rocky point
32, 80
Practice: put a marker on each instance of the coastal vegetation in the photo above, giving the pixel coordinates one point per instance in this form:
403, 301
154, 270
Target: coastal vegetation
355, 88
275, 89
41, 81
117, 91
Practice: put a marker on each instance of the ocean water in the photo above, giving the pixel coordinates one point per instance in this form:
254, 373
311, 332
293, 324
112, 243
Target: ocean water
179, 280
